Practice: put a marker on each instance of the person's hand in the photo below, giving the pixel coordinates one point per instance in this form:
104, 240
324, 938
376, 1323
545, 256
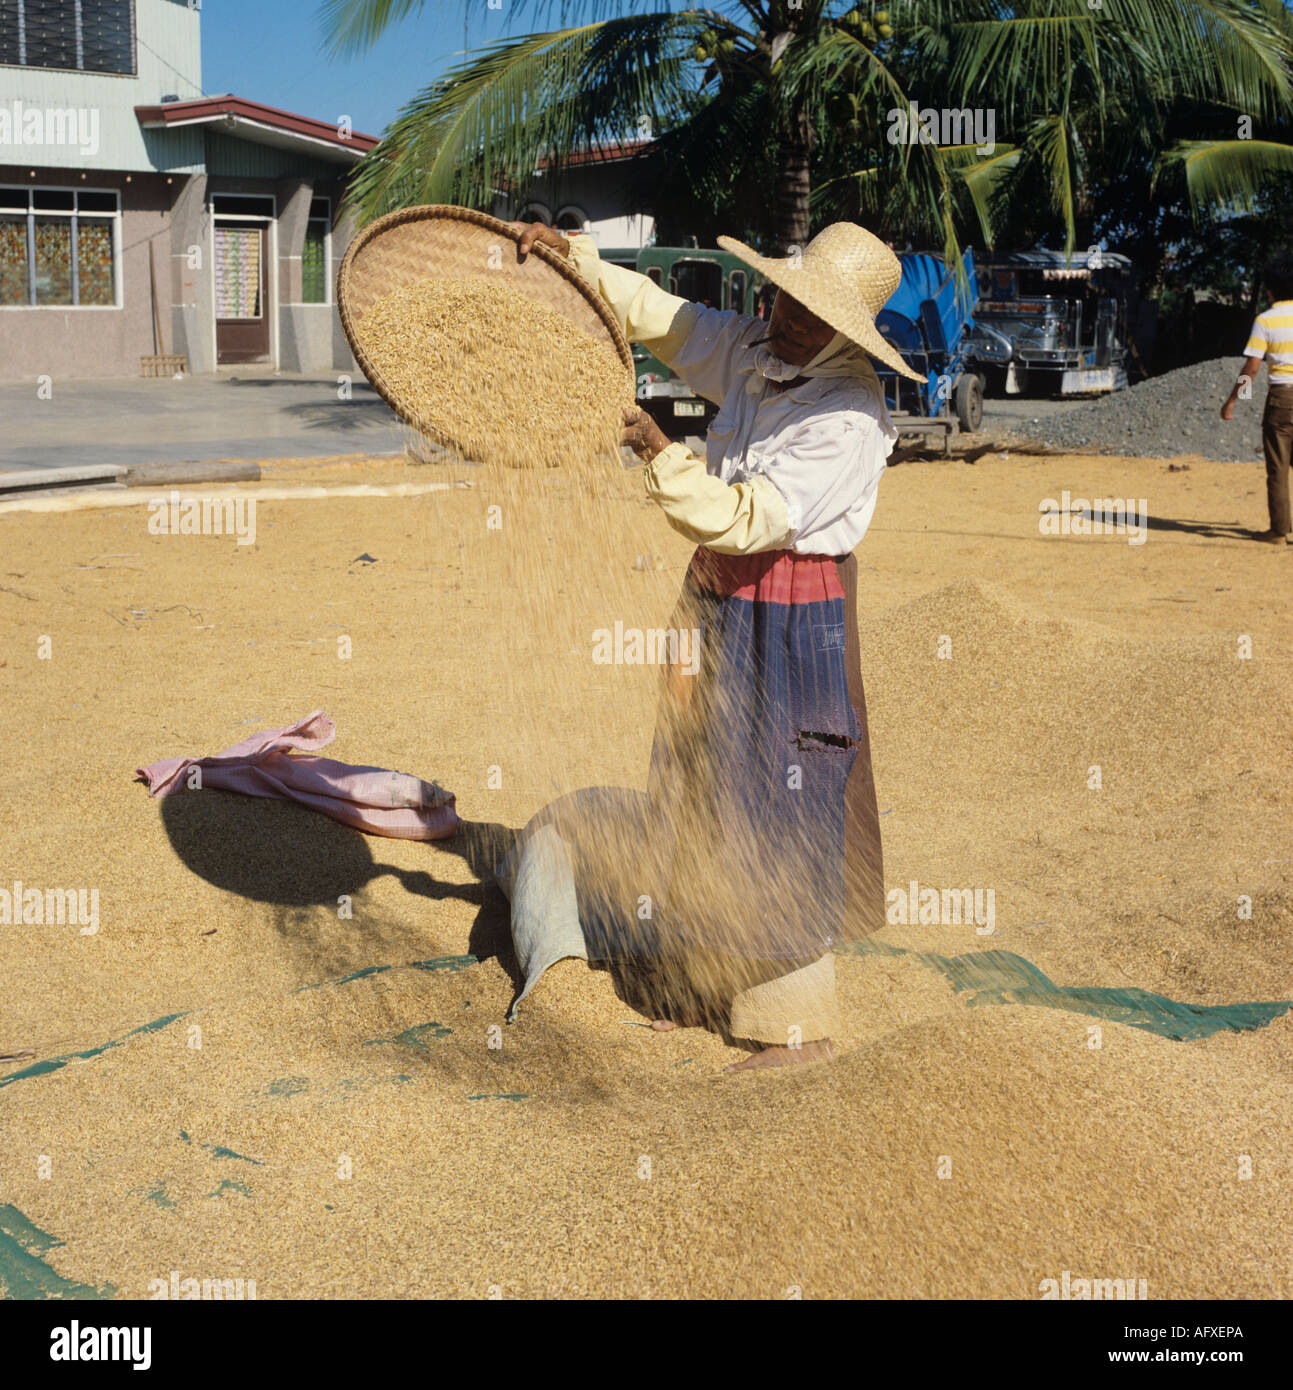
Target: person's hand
642, 434
543, 234
1228, 410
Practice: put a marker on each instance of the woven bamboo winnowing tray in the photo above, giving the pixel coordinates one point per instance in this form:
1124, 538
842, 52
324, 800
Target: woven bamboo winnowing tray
438, 240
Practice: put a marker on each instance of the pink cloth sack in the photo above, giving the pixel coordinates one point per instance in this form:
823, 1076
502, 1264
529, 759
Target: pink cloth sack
394, 804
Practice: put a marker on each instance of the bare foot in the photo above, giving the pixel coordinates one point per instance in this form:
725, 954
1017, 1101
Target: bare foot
687, 1014
820, 1051
684, 1019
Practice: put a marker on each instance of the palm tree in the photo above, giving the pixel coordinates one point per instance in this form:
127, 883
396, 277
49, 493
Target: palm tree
749, 104
1091, 98
706, 83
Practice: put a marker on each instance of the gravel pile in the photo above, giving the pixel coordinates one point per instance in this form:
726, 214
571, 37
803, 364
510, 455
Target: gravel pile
1165, 416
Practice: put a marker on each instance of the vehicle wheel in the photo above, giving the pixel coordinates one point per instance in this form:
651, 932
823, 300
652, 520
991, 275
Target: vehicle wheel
969, 401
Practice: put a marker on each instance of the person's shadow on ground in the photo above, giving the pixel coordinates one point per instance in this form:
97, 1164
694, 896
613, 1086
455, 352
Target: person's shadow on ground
303, 866
1212, 530
308, 869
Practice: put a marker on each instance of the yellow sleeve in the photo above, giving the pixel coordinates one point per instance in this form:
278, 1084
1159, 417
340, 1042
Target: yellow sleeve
647, 314
1257, 342
734, 519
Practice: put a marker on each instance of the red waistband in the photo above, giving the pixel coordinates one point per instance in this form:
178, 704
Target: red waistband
771, 576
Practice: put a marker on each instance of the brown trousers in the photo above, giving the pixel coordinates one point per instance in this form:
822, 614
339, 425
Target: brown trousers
1277, 445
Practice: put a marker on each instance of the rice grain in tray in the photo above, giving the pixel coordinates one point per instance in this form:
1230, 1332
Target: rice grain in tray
496, 374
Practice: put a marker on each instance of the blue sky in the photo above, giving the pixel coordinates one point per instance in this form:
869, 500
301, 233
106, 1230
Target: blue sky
286, 65
273, 51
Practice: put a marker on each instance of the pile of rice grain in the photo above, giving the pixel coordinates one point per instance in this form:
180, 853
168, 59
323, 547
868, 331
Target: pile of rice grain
495, 374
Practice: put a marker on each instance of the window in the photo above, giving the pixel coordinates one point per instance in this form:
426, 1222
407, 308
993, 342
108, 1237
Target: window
83, 35
572, 219
699, 281
736, 291
316, 266
238, 272
243, 204
58, 248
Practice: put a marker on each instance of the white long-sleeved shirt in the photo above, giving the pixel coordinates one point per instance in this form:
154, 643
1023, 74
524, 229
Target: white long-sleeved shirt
797, 468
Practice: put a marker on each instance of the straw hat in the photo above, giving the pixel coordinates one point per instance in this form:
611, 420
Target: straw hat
844, 276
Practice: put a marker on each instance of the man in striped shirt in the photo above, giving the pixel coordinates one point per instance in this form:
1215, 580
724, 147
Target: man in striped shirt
1272, 339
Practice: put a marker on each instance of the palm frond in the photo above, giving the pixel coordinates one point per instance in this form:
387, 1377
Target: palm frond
350, 26
488, 123
1050, 140
1226, 51
1024, 55
1220, 50
983, 180
1224, 176
836, 60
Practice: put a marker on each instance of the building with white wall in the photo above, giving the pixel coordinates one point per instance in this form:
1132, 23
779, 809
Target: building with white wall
139, 215
590, 195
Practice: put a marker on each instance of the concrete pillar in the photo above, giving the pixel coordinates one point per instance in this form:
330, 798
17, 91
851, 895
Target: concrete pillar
294, 195
343, 231
293, 212
192, 286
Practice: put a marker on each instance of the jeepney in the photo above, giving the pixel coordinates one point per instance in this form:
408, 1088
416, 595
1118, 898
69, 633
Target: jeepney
1055, 322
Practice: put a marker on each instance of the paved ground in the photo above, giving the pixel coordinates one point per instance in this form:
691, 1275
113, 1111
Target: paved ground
1016, 412
247, 414
244, 414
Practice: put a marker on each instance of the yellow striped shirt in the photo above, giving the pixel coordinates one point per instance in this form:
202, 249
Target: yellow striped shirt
1272, 338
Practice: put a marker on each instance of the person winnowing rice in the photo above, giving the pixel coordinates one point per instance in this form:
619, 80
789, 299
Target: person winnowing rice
763, 817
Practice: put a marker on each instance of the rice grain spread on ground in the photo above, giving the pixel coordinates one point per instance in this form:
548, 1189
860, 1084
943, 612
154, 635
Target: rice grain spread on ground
283, 1057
